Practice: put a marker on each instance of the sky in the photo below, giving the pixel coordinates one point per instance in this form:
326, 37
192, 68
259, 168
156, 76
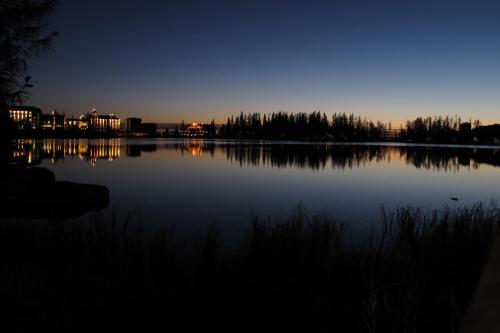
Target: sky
167, 61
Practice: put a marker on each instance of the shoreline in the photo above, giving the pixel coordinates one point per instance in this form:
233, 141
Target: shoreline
279, 141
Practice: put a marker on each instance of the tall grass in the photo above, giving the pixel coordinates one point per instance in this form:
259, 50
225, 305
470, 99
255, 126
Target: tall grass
414, 272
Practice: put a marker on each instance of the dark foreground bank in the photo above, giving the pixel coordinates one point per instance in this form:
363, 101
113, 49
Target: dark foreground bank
35, 193
415, 273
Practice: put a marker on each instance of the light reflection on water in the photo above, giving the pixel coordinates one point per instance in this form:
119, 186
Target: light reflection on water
188, 183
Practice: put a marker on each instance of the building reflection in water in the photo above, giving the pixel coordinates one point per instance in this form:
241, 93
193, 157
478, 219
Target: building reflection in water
311, 156
25, 152
32, 152
196, 147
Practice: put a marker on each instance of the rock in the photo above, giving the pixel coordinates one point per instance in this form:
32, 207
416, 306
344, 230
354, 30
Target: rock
34, 193
41, 174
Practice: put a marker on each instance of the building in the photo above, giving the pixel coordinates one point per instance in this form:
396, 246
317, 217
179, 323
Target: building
25, 117
32, 118
133, 125
53, 121
103, 123
194, 130
149, 129
76, 124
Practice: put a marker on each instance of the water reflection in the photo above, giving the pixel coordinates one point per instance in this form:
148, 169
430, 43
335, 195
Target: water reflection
277, 155
32, 152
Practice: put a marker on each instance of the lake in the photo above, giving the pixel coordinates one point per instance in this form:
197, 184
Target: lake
188, 183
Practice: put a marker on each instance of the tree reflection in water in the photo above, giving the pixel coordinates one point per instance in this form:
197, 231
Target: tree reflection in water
280, 155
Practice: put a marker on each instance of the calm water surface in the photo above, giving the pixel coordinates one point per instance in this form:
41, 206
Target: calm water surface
186, 184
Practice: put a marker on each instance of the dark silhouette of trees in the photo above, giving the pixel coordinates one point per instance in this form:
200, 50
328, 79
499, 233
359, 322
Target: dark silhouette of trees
343, 127
211, 129
487, 134
449, 130
22, 37
354, 128
437, 129
310, 126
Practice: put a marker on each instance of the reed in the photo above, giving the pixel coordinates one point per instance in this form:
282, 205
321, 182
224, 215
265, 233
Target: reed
415, 271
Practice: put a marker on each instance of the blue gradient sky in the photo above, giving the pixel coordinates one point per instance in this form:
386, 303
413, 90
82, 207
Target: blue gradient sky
196, 60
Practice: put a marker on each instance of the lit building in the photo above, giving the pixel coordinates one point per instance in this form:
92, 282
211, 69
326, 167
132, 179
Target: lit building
79, 124
103, 123
194, 130
53, 121
25, 117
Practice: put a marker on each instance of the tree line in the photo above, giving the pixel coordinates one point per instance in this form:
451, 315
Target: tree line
350, 127
449, 130
312, 126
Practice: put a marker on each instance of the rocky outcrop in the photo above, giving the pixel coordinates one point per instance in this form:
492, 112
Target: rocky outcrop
34, 193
